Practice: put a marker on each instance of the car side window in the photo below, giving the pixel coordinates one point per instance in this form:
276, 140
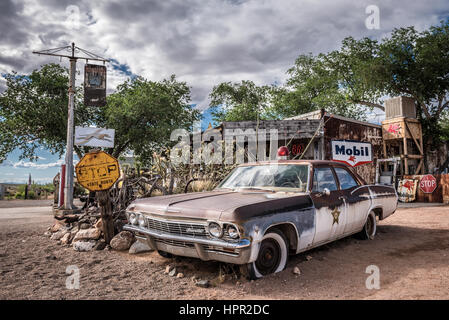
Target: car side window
323, 178
345, 178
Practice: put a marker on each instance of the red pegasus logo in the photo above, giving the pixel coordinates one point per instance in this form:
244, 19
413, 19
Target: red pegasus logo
408, 184
394, 128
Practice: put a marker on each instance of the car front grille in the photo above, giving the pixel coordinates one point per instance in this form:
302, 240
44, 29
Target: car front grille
182, 228
193, 230
184, 244
176, 243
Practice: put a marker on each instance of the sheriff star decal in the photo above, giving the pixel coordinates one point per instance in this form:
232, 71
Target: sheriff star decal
335, 214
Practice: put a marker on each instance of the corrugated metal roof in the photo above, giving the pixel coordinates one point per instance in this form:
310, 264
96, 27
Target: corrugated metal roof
317, 115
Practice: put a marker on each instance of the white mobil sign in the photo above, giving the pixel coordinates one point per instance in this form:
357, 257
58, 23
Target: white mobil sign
353, 153
94, 137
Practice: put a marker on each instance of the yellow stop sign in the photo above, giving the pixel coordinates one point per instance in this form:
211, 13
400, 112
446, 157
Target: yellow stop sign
97, 171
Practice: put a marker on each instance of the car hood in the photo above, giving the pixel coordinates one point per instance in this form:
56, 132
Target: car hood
222, 205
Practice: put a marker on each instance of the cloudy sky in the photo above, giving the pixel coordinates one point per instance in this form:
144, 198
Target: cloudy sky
202, 42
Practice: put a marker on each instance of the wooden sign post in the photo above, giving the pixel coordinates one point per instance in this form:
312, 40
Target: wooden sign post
98, 171
106, 215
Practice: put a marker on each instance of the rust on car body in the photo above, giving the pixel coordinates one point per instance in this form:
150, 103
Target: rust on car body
329, 202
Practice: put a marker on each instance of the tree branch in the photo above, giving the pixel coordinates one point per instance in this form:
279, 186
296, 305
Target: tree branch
370, 104
441, 107
424, 107
78, 152
120, 149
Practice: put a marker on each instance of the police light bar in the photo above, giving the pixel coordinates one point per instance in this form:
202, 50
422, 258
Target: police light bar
283, 153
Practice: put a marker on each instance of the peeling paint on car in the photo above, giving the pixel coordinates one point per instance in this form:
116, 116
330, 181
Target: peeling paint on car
316, 217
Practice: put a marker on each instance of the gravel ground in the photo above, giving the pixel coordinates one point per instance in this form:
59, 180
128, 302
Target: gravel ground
411, 250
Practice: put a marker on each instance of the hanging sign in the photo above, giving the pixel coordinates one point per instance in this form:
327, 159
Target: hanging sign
94, 137
353, 153
94, 85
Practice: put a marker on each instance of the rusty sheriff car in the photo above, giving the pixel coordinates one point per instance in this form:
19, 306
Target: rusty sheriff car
262, 212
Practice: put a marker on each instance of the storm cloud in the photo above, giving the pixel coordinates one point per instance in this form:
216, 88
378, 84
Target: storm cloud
202, 42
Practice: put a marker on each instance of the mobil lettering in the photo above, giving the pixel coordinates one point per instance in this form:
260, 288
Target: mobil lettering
354, 151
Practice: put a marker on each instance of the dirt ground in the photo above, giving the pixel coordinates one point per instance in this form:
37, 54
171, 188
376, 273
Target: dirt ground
411, 251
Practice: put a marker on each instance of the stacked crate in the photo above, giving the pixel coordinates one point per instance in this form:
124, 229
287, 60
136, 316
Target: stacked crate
402, 134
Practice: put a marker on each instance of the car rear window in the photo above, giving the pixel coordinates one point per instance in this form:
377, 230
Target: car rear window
323, 178
345, 178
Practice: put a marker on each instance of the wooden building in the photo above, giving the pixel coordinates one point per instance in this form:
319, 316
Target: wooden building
309, 136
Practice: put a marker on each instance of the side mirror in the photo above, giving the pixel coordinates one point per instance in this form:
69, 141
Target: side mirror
325, 192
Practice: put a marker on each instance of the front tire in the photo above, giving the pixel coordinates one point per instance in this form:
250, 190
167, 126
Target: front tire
272, 256
369, 229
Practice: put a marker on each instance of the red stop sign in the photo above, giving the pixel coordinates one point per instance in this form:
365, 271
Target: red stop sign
428, 183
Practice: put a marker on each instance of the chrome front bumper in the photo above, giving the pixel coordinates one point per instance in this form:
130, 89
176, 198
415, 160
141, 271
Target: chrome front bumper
205, 249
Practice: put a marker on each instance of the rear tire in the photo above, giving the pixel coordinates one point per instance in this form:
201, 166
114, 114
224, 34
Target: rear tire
369, 229
272, 256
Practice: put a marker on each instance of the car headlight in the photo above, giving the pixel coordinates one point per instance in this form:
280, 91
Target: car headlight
215, 230
233, 232
141, 220
132, 218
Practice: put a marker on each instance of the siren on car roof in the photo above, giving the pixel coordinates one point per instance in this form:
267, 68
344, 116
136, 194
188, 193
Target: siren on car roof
283, 153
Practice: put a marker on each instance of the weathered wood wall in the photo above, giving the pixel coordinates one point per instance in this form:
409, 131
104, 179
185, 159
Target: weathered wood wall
339, 129
299, 132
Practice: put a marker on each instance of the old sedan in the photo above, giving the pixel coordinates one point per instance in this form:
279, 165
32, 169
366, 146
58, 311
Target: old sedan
262, 212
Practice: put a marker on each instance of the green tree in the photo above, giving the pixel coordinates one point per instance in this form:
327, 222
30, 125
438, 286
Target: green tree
363, 72
33, 113
144, 113
312, 85
416, 64
239, 101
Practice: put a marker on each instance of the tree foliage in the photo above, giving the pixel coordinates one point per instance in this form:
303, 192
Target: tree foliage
357, 76
416, 64
144, 113
239, 101
33, 113
312, 85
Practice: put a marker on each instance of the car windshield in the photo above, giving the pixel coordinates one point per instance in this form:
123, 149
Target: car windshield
272, 177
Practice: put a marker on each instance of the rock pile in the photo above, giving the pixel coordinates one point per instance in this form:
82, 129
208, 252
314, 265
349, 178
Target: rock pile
84, 232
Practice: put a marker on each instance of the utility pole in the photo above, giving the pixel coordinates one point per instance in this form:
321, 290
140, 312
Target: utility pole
68, 186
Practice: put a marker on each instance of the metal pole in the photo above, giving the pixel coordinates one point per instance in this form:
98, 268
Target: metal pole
67, 203
68, 187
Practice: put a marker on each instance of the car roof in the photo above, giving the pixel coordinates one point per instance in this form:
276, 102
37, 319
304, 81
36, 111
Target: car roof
313, 162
